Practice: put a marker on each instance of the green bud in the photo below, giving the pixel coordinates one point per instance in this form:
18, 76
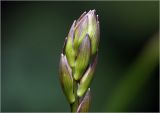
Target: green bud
87, 24
87, 78
95, 39
85, 103
80, 31
78, 60
93, 30
83, 57
66, 79
70, 53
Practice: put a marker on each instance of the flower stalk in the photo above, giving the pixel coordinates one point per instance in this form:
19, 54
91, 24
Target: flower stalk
78, 61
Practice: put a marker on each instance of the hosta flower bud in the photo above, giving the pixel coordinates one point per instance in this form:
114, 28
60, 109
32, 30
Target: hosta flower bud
85, 103
70, 52
66, 79
83, 57
87, 24
80, 31
77, 55
87, 78
78, 60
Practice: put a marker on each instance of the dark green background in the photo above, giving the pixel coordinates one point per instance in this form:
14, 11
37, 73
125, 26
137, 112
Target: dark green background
32, 37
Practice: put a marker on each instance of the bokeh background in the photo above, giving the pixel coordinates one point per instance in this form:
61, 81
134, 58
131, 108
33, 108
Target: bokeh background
127, 74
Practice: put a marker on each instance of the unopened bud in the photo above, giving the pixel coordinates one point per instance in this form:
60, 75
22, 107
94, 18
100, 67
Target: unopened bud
83, 57
85, 103
66, 79
87, 78
70, 52
78, 60
87, 24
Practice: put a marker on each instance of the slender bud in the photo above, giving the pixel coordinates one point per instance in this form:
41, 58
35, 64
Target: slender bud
95, 39
87, 78
80, 31
85, 103
70, 53
83, 57
66, 79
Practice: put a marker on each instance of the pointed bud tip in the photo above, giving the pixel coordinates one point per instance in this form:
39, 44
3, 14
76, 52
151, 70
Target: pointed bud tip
92, 12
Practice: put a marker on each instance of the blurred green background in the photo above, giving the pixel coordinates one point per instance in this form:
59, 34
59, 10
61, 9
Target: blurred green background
127, 74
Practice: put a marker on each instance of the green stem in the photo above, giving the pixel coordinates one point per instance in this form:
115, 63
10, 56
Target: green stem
74, 106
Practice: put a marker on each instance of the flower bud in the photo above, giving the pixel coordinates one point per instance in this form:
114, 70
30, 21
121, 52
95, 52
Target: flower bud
70, 53
85, 103
78, 60
87, 24
87, 78
93, 30
80, 31
83, 57
66, 79
95, 39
